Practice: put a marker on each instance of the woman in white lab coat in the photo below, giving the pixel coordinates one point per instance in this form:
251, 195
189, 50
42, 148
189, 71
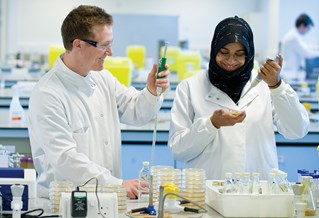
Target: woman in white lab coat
217, 126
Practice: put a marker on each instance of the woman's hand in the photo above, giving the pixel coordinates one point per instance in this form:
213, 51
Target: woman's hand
223, 118
270, 71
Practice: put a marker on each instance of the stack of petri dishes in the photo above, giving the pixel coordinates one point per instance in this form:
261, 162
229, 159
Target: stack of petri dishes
194, 185
55, 190
162, 175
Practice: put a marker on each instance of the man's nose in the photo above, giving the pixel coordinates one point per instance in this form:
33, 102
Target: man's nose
108, 51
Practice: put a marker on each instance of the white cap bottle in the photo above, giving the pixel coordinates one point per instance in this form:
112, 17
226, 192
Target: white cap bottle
17, 114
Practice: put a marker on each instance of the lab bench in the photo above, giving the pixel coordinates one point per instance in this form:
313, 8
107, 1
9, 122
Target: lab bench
6, 96
137, 141
44, 204
137, 146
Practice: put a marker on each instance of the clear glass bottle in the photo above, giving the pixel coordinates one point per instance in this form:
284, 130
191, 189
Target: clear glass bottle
300, 173
237, 182
246, 183
256, 188
315, 187
283, 182
300, 209
228, 183
143, 182
272, 185
307, 196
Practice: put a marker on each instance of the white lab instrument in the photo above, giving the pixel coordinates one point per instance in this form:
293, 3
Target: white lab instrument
107, 202
16, 203
24, 177
160, 67
257, 80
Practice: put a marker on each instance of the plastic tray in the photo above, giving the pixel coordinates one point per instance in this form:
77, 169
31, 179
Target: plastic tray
248, 205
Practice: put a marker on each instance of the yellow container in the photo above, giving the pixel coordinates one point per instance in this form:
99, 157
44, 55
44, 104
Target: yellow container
54, 52
121, 68
187, 61
172, 54
188, 74
137, 54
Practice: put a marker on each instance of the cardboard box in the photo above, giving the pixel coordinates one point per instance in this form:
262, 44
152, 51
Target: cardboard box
249, 205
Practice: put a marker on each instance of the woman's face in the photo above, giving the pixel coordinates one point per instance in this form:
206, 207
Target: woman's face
231, 57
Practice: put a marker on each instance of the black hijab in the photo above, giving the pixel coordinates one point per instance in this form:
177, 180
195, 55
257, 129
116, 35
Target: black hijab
229, 30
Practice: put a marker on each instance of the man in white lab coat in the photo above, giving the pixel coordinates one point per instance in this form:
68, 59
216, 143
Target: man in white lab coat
75, 110
295, 50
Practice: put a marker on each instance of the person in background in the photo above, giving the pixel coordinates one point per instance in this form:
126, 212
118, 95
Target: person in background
75, 109
217, 126
295, 50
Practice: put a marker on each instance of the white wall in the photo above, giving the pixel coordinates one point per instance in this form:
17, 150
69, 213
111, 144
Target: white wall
34, 24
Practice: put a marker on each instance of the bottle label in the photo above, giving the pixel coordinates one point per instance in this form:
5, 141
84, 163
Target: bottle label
16, 118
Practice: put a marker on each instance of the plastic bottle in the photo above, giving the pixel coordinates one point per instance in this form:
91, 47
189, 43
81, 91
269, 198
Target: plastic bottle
4, 157
307, 196
143, 182
17, 113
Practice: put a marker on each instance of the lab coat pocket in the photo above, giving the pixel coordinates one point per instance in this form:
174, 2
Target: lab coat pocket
81, 136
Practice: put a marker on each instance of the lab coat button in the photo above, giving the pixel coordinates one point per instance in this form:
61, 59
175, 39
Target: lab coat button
101, 115
217, 98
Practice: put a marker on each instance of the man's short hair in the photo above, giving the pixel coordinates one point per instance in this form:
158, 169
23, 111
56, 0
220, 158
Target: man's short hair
304, 19
79, 23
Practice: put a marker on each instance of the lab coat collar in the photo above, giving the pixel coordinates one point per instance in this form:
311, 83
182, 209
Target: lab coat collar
85, 84
219, 97
251, 95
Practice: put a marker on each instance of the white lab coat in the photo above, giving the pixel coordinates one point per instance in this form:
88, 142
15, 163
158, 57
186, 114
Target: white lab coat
74, 125
295, 51
247, 146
